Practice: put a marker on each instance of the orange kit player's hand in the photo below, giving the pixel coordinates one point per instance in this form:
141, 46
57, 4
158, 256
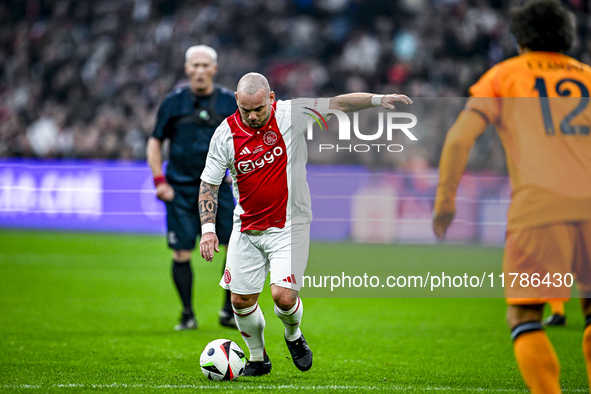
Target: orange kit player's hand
458, 142
441, 222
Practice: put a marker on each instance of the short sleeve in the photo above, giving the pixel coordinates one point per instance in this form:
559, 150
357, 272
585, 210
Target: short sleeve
162, 121
485, 96
218, 157
304, 109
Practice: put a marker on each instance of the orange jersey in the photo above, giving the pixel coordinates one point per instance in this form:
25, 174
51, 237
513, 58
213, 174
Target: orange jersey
539, 103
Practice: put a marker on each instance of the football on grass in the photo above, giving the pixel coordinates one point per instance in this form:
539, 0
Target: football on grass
222, 359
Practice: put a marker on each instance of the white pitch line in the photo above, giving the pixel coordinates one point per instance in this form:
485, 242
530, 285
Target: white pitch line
239, 386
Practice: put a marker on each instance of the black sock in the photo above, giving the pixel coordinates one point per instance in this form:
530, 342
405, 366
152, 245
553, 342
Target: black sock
228, 302
183, 280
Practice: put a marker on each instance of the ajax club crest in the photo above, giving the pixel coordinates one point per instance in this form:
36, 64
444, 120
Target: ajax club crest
270, 138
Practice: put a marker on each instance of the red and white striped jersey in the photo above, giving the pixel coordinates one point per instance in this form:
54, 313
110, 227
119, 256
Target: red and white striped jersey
268, 165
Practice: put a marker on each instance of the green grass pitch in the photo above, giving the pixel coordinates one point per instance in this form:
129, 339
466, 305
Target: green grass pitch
94, 312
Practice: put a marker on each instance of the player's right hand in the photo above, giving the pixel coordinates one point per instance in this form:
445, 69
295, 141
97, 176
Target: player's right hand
441, 222
389, 100
208, 245
164, 192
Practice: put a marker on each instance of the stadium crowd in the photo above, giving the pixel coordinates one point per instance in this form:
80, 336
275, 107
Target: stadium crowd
83, 79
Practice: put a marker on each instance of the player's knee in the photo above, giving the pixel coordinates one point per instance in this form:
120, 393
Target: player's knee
240, 301
519, 314
284, 299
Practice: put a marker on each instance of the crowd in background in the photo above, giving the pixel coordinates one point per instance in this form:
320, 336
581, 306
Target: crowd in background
83, 79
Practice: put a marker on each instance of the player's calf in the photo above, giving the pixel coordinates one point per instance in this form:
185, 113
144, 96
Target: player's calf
296, 343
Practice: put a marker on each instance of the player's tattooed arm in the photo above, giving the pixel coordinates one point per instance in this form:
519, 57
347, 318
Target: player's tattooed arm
351, 102
208, 202
352, 107
359, 101
208, 208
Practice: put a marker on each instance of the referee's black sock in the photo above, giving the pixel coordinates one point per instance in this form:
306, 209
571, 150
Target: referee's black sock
182, 274
228, 303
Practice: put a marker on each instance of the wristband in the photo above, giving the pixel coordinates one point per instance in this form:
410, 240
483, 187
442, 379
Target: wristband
376, 100
208, 228
159, 179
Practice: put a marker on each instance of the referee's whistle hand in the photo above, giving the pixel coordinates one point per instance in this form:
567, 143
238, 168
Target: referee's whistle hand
208, 245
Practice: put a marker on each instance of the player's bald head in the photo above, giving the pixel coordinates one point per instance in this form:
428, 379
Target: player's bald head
252, 83
254, 98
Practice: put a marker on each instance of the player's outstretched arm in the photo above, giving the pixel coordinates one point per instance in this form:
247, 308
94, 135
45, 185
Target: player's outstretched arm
208, 208
454, 157
360, 101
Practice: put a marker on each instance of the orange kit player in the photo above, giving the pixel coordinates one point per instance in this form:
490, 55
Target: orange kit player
539, 103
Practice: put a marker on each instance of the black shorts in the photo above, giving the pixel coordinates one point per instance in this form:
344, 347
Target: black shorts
182, 216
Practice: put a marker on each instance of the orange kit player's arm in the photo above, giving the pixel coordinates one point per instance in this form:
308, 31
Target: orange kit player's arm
454, 156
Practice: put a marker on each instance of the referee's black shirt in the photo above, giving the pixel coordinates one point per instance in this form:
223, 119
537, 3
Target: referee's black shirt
189, 122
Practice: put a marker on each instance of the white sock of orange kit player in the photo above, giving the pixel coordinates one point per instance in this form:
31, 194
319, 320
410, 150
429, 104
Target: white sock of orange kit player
291, 320
251, 324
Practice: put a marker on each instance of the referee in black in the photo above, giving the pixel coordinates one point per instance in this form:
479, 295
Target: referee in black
187, 117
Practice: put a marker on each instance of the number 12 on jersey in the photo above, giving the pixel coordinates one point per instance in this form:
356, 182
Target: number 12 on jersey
565, 124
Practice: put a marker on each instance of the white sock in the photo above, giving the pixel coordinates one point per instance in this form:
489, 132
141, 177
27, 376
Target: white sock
251, 324
291, 320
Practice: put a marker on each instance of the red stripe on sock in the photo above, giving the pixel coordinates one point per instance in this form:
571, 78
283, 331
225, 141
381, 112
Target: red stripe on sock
298, 307
246, 314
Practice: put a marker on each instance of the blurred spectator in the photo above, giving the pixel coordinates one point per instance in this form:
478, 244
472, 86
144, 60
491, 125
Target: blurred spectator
81, 78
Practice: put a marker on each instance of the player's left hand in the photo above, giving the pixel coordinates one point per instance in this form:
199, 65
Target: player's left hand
441, 222
389, 99
208, 245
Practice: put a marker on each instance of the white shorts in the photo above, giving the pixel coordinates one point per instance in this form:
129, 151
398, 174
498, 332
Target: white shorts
251, 254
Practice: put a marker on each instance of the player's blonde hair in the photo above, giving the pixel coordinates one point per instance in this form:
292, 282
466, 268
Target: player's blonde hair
203, 49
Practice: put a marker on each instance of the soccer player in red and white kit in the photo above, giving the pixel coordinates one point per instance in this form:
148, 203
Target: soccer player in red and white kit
264, 147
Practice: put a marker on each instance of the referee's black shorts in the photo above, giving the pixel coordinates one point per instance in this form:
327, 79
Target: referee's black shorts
182, 216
